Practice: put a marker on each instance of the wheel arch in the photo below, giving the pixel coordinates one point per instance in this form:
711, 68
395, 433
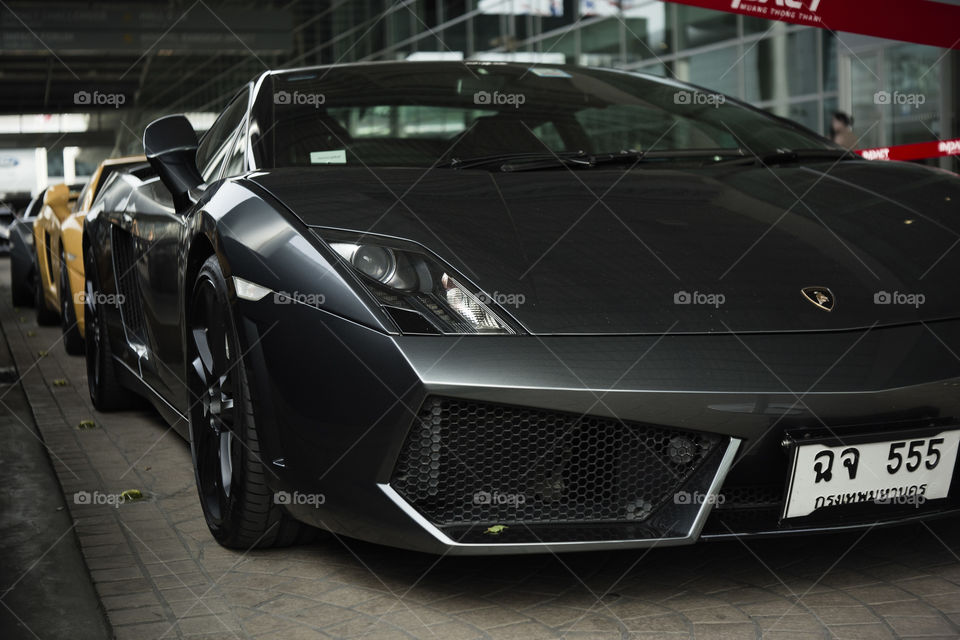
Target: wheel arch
201, 248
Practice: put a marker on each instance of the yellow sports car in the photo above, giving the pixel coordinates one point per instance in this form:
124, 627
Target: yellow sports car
58, 202
58, 238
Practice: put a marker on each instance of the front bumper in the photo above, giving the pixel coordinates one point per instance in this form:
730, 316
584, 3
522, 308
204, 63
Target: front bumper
338, 401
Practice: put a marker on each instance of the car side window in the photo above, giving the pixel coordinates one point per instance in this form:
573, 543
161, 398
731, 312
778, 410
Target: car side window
35, 206
83, 196
114, 193
216, 145
237, 156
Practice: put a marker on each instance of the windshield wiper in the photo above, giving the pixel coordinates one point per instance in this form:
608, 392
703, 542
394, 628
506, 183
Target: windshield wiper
787, 156
501, 159
625, 156
531, 161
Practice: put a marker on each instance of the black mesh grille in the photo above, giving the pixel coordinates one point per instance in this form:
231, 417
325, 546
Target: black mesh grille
750, 496
470, 463
131, 307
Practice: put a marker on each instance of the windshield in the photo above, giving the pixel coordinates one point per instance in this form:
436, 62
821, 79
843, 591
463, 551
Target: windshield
426, 114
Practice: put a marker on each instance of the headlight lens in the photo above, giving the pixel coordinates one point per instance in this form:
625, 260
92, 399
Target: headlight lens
376, 262
420, 293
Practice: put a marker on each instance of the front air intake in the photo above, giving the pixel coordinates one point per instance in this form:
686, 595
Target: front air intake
467, 465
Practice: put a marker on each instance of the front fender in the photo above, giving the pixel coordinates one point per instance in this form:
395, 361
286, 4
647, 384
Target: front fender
258, 240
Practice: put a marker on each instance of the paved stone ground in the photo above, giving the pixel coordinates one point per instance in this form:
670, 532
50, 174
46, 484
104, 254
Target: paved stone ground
45, 586
160, 574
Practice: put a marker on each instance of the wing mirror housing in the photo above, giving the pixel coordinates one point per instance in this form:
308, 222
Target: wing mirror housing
170, 145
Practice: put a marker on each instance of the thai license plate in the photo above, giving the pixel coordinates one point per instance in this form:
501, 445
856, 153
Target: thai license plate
906, 472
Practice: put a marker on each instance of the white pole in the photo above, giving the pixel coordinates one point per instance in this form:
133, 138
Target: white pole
40, 169
70, 164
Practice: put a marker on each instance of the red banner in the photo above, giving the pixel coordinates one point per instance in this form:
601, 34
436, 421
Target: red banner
917, 151
922, 21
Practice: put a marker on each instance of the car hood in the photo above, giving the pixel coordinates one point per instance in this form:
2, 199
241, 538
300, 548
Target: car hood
650, 250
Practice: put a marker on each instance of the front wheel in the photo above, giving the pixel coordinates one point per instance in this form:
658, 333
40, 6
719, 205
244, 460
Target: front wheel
72, 340
238, 506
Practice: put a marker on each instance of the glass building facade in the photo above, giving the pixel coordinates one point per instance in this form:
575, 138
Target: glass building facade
802, 73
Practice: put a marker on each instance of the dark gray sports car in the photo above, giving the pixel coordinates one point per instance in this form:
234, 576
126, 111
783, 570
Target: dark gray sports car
502, 308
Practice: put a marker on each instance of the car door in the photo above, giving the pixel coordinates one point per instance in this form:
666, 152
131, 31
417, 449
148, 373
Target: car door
145, 237
110, 209
160, 233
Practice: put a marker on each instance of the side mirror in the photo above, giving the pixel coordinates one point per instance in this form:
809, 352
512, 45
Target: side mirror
170, 145
58, 199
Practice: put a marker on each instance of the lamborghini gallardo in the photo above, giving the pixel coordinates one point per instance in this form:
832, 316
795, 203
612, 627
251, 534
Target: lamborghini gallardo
492, 308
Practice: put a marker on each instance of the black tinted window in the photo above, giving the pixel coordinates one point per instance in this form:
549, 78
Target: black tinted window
214, 147
415, 114
114, 192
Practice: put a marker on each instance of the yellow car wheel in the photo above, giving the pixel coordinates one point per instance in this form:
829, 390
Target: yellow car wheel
72, 340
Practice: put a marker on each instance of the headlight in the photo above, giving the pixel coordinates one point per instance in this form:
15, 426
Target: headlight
419, 292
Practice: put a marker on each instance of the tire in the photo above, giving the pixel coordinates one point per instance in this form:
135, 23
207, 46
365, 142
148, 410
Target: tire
72, 340
20, 293
106, 392
231, 478
45, 317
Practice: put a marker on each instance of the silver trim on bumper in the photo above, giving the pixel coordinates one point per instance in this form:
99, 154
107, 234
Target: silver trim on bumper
462, 548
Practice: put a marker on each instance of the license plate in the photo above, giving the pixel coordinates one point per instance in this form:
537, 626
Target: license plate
906, 472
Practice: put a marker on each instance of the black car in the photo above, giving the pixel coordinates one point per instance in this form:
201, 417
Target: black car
503, 308
22, 262
7, 216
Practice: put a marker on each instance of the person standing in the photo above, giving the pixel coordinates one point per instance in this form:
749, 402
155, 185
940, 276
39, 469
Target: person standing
842, 130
